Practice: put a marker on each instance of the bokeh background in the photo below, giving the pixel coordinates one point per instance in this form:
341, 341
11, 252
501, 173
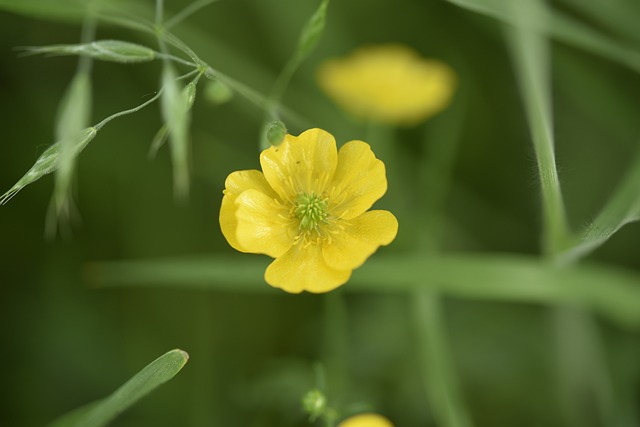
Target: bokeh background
66, 341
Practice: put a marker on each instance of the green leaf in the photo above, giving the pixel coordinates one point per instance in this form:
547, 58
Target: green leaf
612, 291
49, 162
101, 412
103, 50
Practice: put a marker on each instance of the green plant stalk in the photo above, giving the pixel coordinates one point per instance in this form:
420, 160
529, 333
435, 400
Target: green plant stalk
562, 28
579, 368
437, 370
529, 51
336, 346
437, 363
307, 41
530, 59
612, 291
623, 207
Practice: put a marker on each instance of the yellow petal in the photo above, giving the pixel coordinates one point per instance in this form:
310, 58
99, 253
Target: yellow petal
236, 183
302, 164
388, 83
358, 182
304, 269
359, 238
366, 420
264, 224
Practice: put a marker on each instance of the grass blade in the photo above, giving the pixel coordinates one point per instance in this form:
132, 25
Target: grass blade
433, 350
100, 413
562, 28
609, 290
529, 51
617, 16
71, 10
622, 208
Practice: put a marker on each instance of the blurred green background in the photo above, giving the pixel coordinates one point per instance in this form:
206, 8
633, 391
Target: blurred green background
66, 343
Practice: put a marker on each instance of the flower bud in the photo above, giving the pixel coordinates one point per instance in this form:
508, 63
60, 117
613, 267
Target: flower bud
276, 132
314, 403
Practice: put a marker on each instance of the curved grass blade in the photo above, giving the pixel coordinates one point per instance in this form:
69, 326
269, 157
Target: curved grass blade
621, 209
439, 374
100, 413
562, 28
530, 52
611, 291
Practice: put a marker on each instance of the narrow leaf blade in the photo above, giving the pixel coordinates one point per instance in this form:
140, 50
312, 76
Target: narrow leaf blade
100, 413
622, 208
530, 53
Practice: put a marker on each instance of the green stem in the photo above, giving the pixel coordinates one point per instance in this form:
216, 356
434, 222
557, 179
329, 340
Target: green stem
437, 369
159, 12
530, 54
336, 346
436, 361
186, 12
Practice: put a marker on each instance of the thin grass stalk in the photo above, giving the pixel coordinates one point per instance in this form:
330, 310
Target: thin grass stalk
437, 367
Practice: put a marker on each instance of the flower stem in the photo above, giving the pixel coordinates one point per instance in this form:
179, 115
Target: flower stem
436, 362
437, 370
336, 346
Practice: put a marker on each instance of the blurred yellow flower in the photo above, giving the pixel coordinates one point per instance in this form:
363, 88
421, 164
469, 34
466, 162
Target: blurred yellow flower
308, 209
388, 83
366, 420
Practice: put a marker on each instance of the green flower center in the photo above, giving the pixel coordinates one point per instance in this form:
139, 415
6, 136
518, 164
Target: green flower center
311, 210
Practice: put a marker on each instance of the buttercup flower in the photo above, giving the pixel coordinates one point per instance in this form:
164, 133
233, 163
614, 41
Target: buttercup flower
366, 420
309, 209
388, 83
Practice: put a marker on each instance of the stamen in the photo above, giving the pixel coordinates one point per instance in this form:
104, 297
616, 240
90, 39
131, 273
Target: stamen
311, 210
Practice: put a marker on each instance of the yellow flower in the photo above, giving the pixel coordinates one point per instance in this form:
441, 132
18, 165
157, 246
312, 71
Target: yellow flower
366, 420
389, 84
308, 209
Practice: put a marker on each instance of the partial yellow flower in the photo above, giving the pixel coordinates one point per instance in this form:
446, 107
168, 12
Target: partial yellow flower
366, 420
388, 83
309, 209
